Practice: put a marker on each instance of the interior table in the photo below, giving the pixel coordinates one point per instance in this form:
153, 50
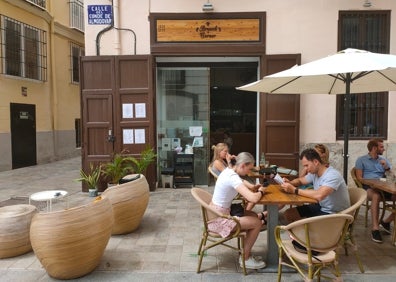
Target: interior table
48, 196
273, 197
386, 186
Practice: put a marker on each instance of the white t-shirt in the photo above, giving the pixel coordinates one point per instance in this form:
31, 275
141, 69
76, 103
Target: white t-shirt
225, 188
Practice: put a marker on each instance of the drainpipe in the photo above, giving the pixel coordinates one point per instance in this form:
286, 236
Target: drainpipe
117, 36
100, 33
54, 93
116, 18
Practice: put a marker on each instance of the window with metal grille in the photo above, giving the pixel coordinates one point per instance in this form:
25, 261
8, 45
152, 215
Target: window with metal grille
77, 14
76, 51
40, 3
367, 30
23, 50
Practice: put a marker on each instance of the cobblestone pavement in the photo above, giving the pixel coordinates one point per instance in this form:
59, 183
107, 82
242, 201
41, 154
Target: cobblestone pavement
164, 246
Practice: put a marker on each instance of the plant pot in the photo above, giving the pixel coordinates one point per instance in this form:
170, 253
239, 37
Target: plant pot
93, 192
129, 201
14, 230
70, 243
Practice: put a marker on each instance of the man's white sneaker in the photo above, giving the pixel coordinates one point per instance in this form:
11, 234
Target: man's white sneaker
252, 263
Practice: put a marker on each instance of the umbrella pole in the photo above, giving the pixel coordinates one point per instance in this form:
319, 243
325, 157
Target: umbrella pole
347, 100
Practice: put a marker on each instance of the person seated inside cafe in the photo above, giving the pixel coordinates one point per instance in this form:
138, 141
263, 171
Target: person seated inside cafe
329, 188
228, 185
374, 166
221, 158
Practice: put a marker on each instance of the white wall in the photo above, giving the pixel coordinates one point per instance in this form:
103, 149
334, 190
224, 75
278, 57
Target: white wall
308, 27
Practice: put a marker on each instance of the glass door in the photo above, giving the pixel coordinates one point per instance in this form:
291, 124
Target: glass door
183, 121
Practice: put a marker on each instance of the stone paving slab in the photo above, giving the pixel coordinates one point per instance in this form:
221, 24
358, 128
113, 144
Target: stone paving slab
164, 247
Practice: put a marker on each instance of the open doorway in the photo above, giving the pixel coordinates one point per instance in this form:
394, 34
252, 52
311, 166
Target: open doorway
202, 97
231, 111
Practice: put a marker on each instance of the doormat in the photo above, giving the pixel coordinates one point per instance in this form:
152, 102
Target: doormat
23, 200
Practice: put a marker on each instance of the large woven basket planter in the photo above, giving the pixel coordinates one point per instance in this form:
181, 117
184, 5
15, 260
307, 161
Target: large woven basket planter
15, 223
129, 202
70, 243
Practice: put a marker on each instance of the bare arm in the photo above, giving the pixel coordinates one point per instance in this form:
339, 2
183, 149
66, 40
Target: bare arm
218, 165
318, 195
249, 195
359, 174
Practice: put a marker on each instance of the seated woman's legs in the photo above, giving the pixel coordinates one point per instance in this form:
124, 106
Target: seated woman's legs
252, 225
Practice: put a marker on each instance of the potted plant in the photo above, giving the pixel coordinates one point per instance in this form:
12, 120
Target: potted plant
117, 168
147, 157
91, 179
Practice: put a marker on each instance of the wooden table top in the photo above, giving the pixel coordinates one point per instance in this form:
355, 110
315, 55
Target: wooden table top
386, 186
254, 173
274, 195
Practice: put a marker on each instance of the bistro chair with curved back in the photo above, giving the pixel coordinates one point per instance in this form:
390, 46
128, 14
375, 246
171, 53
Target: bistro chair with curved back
321, 236
212, 239
210, 170
367, 204
357, 197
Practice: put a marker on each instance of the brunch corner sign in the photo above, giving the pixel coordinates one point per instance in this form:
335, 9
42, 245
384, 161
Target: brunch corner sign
220, 30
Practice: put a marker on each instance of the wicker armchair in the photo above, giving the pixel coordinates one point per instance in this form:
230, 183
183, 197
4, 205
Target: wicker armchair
357, 197
129, 201
15, 223
322, 234
70, 243
208, 213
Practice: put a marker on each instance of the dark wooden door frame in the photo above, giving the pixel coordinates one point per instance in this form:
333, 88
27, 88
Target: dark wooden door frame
280, 135
113, 80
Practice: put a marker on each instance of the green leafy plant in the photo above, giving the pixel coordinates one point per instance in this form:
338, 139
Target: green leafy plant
92, 178
147, 157
118, 168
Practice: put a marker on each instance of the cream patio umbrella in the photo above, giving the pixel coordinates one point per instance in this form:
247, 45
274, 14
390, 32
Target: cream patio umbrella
348, 71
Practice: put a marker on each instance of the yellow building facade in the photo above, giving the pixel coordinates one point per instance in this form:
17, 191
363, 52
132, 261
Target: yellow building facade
40, 44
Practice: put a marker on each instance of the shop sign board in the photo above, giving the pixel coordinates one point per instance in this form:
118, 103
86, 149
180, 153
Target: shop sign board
214, 30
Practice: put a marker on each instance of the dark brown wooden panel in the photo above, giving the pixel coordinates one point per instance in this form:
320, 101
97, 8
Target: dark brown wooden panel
279, 117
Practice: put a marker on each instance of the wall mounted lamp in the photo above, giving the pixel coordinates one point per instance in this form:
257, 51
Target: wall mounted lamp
367, 4
207, 7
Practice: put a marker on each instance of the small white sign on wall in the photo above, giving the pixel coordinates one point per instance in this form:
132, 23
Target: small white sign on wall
140, 136
127, 136
140, 109
127, 110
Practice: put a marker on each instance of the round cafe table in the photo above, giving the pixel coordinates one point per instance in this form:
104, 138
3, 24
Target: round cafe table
48, 196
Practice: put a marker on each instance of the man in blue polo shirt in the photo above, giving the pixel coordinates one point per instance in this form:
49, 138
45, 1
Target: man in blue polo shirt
373, 166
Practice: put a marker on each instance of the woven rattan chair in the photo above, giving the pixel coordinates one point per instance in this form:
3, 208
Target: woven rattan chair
323, 234
129, 201
367, 204
14, 230
70, 243
357, 197
210, 170
211, 239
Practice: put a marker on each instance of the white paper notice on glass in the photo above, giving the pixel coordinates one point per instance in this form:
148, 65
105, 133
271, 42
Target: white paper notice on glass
127, 110
140, 136
278, 179
195, 130
198, 141
127, 136
140, 109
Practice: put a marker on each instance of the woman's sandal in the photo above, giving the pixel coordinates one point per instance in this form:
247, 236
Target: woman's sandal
262, 218
264, 221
